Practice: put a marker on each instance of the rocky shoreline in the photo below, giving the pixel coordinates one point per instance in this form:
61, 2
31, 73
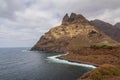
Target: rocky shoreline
75, 57
58, 59
85, 42
79, 62
97, 57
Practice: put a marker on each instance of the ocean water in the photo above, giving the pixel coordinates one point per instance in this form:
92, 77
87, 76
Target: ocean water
22, 64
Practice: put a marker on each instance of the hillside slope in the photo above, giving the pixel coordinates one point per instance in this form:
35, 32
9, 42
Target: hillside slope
75, 32
111, 30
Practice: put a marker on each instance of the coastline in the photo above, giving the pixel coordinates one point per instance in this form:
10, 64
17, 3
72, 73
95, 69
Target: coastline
58, 59
102, 56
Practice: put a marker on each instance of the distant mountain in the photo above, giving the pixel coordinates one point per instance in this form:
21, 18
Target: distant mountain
110, 30
75, 32
117, 25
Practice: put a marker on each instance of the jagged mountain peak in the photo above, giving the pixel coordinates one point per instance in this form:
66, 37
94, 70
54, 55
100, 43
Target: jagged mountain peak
65, 19
75, 32
74, 19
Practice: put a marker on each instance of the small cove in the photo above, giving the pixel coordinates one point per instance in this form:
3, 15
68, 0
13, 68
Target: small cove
21, 64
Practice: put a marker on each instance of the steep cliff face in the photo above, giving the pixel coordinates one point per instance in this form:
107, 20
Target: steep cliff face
111, 30
75, 32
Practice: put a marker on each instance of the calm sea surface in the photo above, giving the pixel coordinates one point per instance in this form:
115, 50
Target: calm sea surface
22, 64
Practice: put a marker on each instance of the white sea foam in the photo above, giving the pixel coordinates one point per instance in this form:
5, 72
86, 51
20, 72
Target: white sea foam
55, 59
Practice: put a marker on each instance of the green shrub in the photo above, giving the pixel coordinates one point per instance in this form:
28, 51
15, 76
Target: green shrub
101, 47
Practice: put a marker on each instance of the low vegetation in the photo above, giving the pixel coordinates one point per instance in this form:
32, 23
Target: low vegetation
101, 47
103, 72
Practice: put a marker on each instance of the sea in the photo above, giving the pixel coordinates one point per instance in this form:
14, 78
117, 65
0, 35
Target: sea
23, 64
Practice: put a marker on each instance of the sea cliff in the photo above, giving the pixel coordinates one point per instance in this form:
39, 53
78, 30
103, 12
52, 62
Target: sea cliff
75, 32
84, 41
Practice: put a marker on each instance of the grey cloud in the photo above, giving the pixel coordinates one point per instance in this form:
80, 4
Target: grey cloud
29, 19
8, 7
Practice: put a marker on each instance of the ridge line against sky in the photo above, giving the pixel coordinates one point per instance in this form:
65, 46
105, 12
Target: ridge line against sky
22, 22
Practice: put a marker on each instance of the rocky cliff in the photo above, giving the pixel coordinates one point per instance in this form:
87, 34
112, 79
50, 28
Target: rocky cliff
75, 32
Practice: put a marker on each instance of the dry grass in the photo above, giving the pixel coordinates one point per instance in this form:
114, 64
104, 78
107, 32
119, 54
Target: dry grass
108, 58
103, 72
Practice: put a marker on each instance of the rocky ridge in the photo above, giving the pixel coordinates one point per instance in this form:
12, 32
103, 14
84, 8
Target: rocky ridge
111, 30
75, 32
117, 25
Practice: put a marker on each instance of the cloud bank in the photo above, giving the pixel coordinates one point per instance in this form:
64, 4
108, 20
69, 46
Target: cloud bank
22, 22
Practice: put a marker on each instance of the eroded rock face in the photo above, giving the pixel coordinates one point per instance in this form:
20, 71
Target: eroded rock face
74, 19
75, 32
65, 19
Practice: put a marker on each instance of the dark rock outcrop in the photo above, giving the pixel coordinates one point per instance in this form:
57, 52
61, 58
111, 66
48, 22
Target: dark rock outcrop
65, 19
74, 19
75, 32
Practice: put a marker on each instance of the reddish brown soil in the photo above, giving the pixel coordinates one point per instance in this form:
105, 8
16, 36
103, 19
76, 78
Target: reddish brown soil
114, 78
95, 56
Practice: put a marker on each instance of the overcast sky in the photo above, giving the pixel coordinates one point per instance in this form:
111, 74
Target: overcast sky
22, 22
